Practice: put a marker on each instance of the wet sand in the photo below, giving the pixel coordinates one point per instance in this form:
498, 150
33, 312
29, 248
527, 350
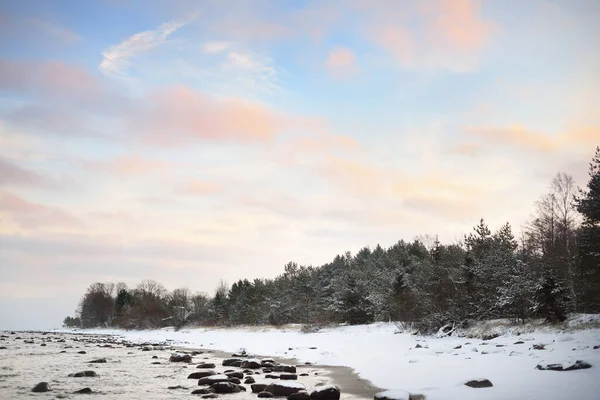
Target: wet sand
130, 371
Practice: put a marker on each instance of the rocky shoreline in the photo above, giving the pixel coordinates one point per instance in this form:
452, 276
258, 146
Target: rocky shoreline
68, 365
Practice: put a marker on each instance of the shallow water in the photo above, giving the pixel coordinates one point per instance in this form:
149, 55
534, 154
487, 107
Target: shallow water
129, 372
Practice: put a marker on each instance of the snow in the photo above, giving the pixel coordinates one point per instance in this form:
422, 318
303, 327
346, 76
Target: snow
390, 360
393, 395
289, 384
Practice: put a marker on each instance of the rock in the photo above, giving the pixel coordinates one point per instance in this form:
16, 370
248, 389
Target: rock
479, 383
299, 395
330, 392
265, 395
156, 363
596, 347
272, 376
98, 361
86, 374
154, 357
515, 353
458, 347
285, 368
393, 395
176, 387
225, 387
206, 365
3, 348
539, 346
43, 345
285, 388
251, 363
209, 380
258, 387
201, 374
564, 366
210, 396
86, 390
267, 360
41, 387
203, 391
418, 346
177, 357
249, 380
81, 352
237, 381
235, 374
232, 362
242, 388
288, 377
304, 374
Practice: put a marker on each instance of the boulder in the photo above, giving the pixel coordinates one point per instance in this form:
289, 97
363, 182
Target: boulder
81, 352
209, 380
41, 387
235, 374
82, 374
86, 390
203, 391
249, 380
98, 361
272, 376
285, 388
393, 395
235, 380
210, 396
564, 366
225, 387
265, 394
178, 357
539, 346
329, 392
206, 366
200, 374
251, 363
288, 377
258, 387
285, 368
242, 388
299, 395
232, 362
479, 383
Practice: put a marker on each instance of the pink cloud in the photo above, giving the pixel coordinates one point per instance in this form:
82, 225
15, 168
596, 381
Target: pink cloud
179, 114
12, 174
341, 62
129, 165
196, 187
34, 215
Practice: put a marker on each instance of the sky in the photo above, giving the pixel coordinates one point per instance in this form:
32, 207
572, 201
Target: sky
192, 141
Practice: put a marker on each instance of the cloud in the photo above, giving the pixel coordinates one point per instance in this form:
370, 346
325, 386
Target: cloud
216, 47
514, 136
117, 58
62, 34
129, 165
257, 72
12, 174
196, 187
31, 215
341, 62
179, 115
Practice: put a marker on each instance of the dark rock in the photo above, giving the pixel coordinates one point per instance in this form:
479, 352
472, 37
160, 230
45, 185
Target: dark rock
225, 387
258, 387
232, 362
176, 387
3, 348
98, 361
596, 347
272, 376
564, 366
479, 383
81, 352
180, 358
155, 363
242, 388
43, 345
265, 395
331, 392
539, 346
285, 368
83, 391
235, 374
237, 381
206, 365
252, 364
41, 387
285, 389
196, 353
203, 391
304, 374
210, 396
458, 347
209, 380
312, 348
201, 374
62, 351
82, 374
418, 346
267, 370
154, 357
299, 395
288, 377
249, 380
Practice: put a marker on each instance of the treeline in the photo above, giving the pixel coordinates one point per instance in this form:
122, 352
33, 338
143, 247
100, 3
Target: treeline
551, 269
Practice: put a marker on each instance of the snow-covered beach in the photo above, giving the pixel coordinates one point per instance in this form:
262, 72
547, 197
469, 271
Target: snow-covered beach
436, 367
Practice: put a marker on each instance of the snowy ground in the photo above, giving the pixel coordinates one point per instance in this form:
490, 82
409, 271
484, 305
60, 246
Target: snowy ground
437, 369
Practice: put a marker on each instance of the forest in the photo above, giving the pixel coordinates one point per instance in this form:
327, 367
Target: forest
549, 269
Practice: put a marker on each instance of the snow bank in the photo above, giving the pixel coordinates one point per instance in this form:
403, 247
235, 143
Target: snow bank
437, 369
